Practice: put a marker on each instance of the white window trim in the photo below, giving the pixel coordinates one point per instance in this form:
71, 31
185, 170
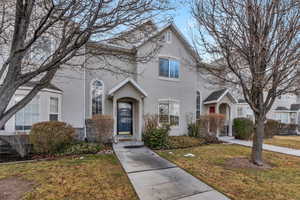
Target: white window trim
58, 108
169, 78
170, 100
91, 97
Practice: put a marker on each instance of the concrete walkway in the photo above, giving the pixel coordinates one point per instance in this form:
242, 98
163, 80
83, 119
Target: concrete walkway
155, 178
284, 150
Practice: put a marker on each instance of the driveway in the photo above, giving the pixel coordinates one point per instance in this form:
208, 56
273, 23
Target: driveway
155, 178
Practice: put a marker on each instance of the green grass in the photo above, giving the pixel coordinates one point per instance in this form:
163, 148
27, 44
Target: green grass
93, 177
279, 183
285, 141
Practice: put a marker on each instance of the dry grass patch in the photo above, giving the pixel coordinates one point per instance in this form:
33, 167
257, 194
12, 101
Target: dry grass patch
210, 164
285, 141
177, 142
93, 177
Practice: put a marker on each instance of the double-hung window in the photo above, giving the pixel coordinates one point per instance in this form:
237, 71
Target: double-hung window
168, 68
54, 111
169, 112
28, 115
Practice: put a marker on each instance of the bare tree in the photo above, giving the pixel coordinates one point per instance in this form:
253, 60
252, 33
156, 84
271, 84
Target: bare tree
255, 44
27, 25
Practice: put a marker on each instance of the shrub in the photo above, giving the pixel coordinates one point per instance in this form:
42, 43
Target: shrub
82, 148
104, 128
243, 128
150, 122
272, 127
50, 137
156, 138
212, 122
194, 129
175, 142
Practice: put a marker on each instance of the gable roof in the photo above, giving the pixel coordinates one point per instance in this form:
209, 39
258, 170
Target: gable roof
132, 48
217, 96
123, 83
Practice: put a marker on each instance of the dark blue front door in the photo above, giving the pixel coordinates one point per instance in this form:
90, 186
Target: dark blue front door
124, 118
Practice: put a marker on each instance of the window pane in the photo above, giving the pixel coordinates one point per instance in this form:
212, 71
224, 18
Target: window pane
174, 69
28, 115
198, 105
163, 113
53, 105
163, 67
97, 94
53, 117
174, 113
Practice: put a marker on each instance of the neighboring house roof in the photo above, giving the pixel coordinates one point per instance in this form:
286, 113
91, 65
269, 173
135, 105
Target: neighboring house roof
282, 108
123, 83
295, 107
217, 96
51, 86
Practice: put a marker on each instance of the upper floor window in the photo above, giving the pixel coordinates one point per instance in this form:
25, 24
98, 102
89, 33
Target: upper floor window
97, 97
54, 111
198, 105
168, 68
28, 115
169, 112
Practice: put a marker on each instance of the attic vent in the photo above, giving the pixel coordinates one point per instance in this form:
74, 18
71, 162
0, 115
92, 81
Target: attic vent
167, 36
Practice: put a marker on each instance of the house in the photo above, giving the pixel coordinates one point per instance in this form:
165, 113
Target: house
168, 85
285, 109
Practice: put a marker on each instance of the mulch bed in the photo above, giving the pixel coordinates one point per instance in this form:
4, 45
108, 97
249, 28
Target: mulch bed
244, 163
13, 188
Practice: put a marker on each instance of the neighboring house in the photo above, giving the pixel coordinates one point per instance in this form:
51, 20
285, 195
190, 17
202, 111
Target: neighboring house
284, 110
168, 85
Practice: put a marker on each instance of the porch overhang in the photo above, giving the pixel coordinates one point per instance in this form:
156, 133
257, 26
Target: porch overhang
217, 96
112, 92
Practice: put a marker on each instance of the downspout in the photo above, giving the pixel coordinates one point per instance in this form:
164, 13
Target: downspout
84, 95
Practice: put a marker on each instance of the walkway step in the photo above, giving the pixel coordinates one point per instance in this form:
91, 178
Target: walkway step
155, 178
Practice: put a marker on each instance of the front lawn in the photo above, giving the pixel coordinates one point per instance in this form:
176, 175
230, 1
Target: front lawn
90, 177
210, 164
285, 141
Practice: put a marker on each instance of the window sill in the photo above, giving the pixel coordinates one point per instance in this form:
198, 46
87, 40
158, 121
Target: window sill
169, 79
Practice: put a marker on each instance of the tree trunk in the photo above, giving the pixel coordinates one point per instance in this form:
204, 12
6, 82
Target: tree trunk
258, 138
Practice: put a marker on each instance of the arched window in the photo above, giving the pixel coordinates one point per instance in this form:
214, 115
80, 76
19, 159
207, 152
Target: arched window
97, 97
198, 105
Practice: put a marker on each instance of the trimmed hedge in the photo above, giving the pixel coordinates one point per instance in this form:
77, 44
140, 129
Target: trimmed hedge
243, 128
156, 138
50, 137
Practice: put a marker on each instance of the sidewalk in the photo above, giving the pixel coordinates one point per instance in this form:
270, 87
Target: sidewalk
284, 150
155, 178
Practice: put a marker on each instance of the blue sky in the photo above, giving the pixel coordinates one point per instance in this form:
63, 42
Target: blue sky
182, 18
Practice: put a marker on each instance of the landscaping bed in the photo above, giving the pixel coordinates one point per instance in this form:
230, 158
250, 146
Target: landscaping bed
285, 141
90, 177
223, 166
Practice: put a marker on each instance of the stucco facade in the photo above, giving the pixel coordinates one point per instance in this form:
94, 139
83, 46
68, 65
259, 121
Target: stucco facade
141, 90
